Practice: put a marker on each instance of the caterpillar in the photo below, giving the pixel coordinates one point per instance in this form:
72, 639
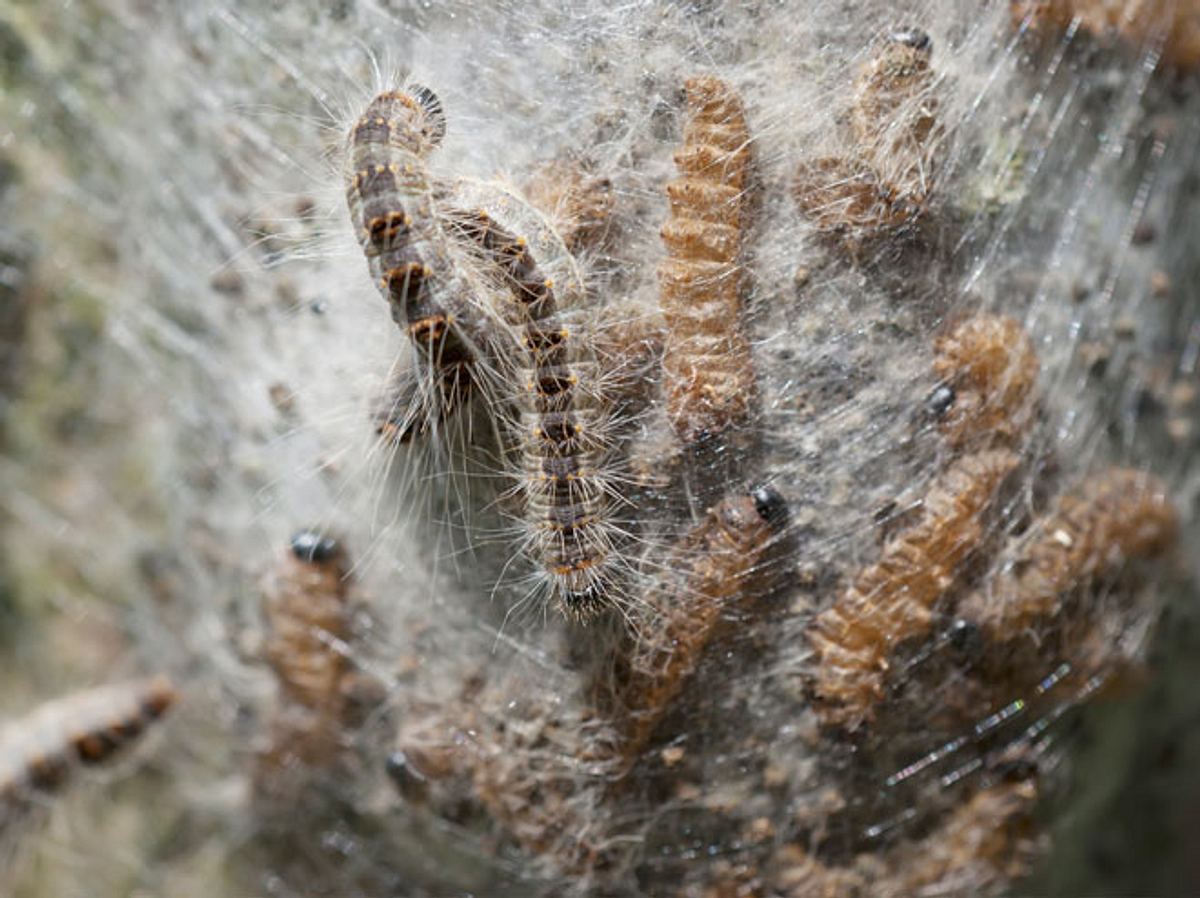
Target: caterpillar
38, 752
405, 250
718, 566
560, 397
894, 114
308, 611
987, 370
892, 600
1115, 516
884, 180
707, 365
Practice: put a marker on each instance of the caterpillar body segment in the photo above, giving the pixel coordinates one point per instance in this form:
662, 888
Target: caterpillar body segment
707, 365
39, 752
893, 599
1114, 517
988, 365
561, 401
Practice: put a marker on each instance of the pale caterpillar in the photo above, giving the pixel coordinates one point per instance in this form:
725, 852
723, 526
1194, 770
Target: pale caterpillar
885, 177
720, 566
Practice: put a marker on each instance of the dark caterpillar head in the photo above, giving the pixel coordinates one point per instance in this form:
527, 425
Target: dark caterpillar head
435, 115
771, 506
313, 547
912, 37
939, 401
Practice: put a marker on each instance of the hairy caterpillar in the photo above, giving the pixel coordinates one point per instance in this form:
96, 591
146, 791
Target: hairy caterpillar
39, 751
884, 181
1115, 516
987, 371
406, 253
559, 395
893, 115
308, 612
707, 365
718, 566
893, 599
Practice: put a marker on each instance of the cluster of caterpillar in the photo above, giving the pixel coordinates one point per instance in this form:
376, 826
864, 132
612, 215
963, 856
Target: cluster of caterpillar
529, 332
893, 600
38, 752
886, 180
1175, 24
986, 370
707, 366
1114, 517
541, 770
308, 613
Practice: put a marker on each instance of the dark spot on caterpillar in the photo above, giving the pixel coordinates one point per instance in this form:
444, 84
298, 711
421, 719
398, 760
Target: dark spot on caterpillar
435, 115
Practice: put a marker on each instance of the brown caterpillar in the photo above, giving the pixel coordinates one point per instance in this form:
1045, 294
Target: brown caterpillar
892, 600
717, 567
405, 250
894, 113
886, 179
560, 397
707, 365
1115, 516
987, 371
39, 751
308, 611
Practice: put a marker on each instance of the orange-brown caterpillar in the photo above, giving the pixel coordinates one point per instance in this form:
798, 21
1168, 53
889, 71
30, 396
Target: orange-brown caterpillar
707, 364
559, 395
719, 565
38, 752
886, 179
893, 600
307, 610
391, 205
1116, 516
987, 371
